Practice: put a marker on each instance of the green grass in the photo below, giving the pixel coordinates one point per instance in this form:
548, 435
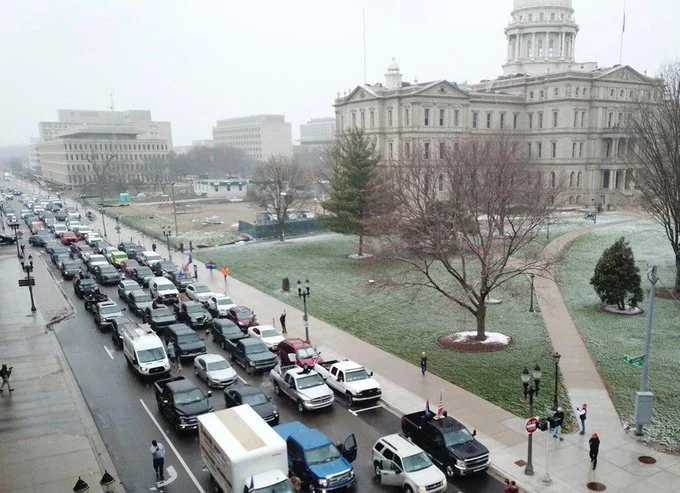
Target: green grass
153, 226
610, 337
403, 323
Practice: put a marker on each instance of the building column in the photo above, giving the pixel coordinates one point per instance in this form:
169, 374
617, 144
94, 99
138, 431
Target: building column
562, 36
533, 46
518, 53
546, 48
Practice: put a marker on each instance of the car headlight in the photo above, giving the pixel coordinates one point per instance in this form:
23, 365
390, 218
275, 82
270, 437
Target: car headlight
323, 483
461, 464
422, 489
351, 473
275, 412
182, 420
250, 363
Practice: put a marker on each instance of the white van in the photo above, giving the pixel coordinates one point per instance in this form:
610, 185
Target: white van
163, 290
144, 351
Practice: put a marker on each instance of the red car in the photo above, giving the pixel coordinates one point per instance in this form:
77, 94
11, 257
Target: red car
243, 317
68, 237
302, 352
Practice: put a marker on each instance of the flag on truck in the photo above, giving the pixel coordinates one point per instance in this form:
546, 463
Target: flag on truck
440, 406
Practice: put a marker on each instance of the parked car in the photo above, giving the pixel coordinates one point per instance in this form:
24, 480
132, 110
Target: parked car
303, 386
253, 355
226, 333
350, 380
35, 240
160, 268
85, 285
106, 274
255, 398
242, 316
199, 292
267, 334
142, 275
68, 237
104, 312
70, 268
159, 318
179, 279
295, 351
187, 343
125, 287
219, 304
214, 370
118, 325
181, 402
7, 240
148, 257
138, 301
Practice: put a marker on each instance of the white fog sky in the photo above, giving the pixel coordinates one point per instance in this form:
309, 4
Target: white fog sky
193, 62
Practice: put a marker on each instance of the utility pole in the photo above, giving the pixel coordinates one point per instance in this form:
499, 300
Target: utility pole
174, 207
643, 395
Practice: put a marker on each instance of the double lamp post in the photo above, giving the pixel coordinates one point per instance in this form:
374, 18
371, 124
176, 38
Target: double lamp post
304, 293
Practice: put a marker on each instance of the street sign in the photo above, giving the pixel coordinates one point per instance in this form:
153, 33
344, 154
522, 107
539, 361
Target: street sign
27, 282
211, 266
531, 425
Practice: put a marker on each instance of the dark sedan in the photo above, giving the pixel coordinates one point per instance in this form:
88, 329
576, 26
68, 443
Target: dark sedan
138, 301
225, 332
37, 240
160, 268
258, 400
159, 318
243, 317
142, 275
106, 274
70, 268
7, 240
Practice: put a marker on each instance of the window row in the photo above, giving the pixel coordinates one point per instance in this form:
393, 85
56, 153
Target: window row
89, 146
115, 157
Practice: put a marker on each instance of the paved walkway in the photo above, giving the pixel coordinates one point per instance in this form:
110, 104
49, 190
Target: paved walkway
47, 436
501, 431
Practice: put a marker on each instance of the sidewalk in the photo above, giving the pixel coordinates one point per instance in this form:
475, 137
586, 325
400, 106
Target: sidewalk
47, 436
570, 469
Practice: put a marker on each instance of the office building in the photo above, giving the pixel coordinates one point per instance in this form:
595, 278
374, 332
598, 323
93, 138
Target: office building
259, 136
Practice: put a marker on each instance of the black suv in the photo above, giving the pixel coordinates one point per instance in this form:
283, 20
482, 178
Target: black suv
160, 268
138, 301
187, 342
85, 285
159, 318
226, 333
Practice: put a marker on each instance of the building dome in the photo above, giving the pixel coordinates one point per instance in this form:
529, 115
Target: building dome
393, 66
530, 4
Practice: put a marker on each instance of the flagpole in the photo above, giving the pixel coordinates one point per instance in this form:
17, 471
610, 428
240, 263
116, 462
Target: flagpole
623, 30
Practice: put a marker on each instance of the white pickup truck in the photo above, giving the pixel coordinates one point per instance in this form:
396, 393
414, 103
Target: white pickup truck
219, 304
304, 386
350, 379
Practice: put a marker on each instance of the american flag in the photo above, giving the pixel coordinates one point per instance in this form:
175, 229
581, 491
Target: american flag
186, 266
440, 406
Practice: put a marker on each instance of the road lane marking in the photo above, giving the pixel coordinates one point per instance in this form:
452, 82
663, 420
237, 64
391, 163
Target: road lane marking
356, 412
172, 446
108, 351
172, 475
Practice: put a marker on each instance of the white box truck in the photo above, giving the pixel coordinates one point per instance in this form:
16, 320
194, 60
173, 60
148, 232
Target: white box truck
144, 351
242, 452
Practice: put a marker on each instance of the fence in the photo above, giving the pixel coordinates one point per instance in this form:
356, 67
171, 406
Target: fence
292, 228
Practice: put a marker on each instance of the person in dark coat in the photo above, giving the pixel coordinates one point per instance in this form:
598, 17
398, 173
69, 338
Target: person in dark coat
582, 415
423, 362
594, 449
282, 319
559, 420
153, 247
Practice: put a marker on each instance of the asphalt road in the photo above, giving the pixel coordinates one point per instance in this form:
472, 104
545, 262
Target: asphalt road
124, 409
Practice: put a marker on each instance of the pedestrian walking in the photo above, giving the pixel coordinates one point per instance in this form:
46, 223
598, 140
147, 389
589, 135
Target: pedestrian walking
158, 454
178, 372
23, 247
594, 449
195, 271
423, 362
153, 247
582, 415
558, 419
172, 353
510, 487
282, 319
5, 373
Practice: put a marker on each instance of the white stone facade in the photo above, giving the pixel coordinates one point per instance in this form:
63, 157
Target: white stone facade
571, 116
259, 136
318, 131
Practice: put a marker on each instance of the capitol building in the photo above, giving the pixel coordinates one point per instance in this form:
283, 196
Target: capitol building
572, 115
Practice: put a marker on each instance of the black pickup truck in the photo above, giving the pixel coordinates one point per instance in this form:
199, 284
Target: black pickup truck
448, 442
181, 401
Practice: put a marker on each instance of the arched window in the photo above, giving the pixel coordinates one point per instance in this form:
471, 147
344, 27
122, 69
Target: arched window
552, 179
578, 181
571, 180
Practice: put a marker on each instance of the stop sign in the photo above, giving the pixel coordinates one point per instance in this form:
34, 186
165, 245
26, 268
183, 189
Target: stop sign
531, 425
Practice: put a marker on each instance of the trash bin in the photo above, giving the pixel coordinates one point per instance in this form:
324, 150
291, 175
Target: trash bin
285, 284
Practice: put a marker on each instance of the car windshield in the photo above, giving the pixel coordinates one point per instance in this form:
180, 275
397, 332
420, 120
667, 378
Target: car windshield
255, 399
305, 353
189, 397
145, 272
243, 315
269, 333
309, 381
218, 365
194, 309
456, 437
165, 287
202, 289
149, 355
71, 265
256, 348
282, 487
108, 310
416, 462
108, 270
225, 301
321, 455
163, 311
185, 338
87, 282
142, 296
353, 376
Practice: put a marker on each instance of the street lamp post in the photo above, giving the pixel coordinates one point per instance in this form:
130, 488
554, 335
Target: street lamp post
531, 303
304, 294
101, 211
530, 391
556, 357
167, 232
28, 268
174, 206
15, 228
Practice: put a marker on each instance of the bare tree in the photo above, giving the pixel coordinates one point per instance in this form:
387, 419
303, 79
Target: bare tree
463, 225
655, 122
104, 162
280, 186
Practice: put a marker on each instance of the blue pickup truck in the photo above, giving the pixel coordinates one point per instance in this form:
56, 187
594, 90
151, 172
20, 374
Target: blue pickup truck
316, 460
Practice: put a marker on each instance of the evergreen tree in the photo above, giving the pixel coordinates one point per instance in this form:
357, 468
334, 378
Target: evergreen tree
616, 278
353, 184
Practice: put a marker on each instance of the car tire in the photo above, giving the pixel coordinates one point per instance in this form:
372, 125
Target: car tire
376, 469
300, 407
450, 473
223, 344
349, 400
407, 489
232, 357
249, 369
277, 389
